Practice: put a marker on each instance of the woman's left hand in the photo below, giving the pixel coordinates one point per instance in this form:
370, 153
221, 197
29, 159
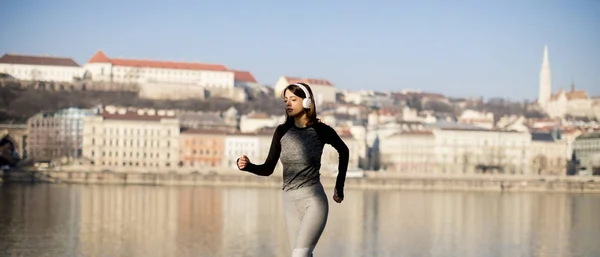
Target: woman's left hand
336, 197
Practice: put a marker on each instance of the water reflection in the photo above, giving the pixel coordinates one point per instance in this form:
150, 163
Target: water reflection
62, 220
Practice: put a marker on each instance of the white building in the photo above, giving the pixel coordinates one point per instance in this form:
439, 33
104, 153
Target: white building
54, 135
358, 97
596, 108
237, 145
323, 90
331, 158
547, 154
512, 123
409, 152
558, 105
170, 91
587, 152
481, 151
40, 68
479, 119
126, 140
349, 109
575, 103
102, 68
255, 121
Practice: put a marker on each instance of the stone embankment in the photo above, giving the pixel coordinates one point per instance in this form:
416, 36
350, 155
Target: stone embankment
376, 181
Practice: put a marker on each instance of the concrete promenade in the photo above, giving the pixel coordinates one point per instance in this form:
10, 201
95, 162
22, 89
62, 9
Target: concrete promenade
375, 181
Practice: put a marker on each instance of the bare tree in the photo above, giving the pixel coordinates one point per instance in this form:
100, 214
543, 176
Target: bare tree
540, 164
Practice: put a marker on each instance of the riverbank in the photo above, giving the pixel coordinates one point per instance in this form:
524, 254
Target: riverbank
476, 182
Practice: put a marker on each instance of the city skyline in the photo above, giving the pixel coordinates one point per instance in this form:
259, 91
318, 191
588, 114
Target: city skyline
460, 50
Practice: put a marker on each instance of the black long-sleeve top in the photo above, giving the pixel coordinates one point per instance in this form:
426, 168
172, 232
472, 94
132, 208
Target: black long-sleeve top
300, 151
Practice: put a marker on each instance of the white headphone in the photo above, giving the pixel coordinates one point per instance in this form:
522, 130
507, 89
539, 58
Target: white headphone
307, 101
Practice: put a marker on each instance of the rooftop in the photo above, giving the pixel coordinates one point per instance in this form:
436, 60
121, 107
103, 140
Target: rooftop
38, 60
100, 57
244, 76
591, 135
544, 136
309, 81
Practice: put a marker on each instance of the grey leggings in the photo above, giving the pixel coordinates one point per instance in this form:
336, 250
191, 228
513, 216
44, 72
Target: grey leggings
306, 211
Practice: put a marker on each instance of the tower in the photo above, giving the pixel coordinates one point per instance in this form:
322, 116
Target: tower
545, 90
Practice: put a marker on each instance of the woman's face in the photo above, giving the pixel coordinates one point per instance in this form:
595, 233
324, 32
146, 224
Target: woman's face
293, 103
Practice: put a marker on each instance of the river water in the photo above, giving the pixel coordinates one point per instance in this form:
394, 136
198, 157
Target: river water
104, 220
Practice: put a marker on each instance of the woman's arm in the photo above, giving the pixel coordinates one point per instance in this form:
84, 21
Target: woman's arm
330, 136
267, 168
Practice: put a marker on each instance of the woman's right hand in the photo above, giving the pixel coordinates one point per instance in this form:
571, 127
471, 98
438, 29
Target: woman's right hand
243, 162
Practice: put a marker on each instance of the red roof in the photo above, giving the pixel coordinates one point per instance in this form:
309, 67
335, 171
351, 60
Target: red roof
575, 95
309, 81
38, 60
244, 76
100, 57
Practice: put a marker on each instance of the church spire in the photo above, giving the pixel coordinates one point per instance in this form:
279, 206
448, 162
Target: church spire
545, 87
546, 61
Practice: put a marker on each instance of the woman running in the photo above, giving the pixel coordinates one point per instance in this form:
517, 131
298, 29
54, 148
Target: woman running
299, 143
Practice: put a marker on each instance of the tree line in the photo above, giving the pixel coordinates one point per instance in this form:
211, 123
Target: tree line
19, 104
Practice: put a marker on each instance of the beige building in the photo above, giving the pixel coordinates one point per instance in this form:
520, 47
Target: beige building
323, 90
479, 119
239, 144
459, 150
547, 154
132, 140
170, 91
57, 135
331, 158
596, 108
575, 103
408, 152
40, 68
255, 145
256, 121
237, 94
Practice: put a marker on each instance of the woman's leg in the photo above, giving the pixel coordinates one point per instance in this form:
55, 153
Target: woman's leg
314, 211
292, 218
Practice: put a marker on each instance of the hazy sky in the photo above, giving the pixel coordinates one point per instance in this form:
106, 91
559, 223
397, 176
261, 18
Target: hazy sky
458, 48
